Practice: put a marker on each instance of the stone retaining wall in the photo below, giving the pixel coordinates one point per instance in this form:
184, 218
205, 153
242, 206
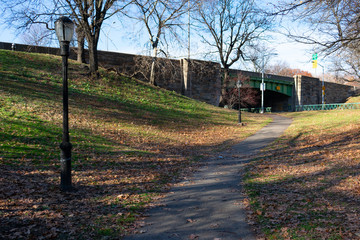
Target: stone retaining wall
200, 80
308, 91
337, 93
197, 79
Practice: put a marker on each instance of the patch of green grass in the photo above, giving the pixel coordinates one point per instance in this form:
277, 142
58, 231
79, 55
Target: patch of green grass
126, 219
30, 108
130, 141
24, 135
316, 122
105, 232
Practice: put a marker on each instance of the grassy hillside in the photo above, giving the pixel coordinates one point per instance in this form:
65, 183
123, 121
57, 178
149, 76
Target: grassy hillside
307, 184
355, 99
131, 142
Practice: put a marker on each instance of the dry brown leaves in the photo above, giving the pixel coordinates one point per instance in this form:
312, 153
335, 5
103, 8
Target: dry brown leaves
148, 153
309, 188
111, 189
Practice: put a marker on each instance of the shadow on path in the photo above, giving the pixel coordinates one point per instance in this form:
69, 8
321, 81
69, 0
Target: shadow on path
209, 205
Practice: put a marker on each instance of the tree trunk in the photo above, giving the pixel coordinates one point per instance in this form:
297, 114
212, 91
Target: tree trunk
81, 43
224, 84
152, 72
93, 56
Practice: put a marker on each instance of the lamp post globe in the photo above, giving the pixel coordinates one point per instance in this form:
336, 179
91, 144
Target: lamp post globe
238, 84
64, 28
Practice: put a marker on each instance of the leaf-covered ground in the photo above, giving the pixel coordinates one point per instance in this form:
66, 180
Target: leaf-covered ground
307, 184
131, 142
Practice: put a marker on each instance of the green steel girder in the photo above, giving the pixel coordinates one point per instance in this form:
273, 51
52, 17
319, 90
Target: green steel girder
333, 106
279, 86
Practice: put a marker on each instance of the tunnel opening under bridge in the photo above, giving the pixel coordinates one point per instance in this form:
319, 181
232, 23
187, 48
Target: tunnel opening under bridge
277, 101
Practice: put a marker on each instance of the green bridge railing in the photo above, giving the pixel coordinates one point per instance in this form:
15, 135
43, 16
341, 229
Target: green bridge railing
255, 110
337, 106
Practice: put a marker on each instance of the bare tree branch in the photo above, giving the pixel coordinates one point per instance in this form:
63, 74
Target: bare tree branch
89, 16
231, 27
335, 28
160, 18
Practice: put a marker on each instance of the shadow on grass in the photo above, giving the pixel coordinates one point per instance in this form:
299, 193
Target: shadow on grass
114, 182
113, 108
111, 191
307, 192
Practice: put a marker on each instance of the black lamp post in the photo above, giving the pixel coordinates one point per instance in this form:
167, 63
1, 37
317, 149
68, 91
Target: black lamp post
238, 85
64, 28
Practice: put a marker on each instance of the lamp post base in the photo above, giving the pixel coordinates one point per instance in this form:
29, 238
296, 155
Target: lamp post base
65, 165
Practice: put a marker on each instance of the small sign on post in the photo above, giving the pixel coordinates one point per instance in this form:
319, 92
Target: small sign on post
262, 86
314, 64
314, 56
314, 60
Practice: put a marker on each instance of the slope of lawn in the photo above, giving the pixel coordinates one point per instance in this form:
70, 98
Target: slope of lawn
307, 184
131, 141
355, 99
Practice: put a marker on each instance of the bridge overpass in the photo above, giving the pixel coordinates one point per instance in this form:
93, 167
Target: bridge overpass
285, 93
201, 80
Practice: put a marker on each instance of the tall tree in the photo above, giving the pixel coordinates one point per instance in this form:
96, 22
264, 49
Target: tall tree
26, 15
333, 24
333, 28
160, 18
229, 27
260, 56
89, 16
346, 64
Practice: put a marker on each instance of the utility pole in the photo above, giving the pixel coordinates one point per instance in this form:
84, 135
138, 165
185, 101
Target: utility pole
262, 86
322, 85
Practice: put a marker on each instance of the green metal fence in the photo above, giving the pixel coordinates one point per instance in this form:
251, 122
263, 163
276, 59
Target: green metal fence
255, 110
335, 106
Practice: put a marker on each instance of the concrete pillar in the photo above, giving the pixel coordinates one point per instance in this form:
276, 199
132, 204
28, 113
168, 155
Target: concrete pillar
319, 92
297, 92
186, 77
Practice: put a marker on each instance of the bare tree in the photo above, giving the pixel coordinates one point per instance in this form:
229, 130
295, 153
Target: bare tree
160, 18
27, 15
80, 36
89, 16
248, 96
23, 14
336, 21
229, 27
260, 56
166, 69
346, 64
37, 35
334, 28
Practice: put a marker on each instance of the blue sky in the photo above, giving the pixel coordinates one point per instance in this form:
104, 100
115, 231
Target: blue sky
118, 35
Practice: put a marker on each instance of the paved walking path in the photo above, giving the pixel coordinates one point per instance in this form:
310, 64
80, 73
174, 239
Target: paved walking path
209, 204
